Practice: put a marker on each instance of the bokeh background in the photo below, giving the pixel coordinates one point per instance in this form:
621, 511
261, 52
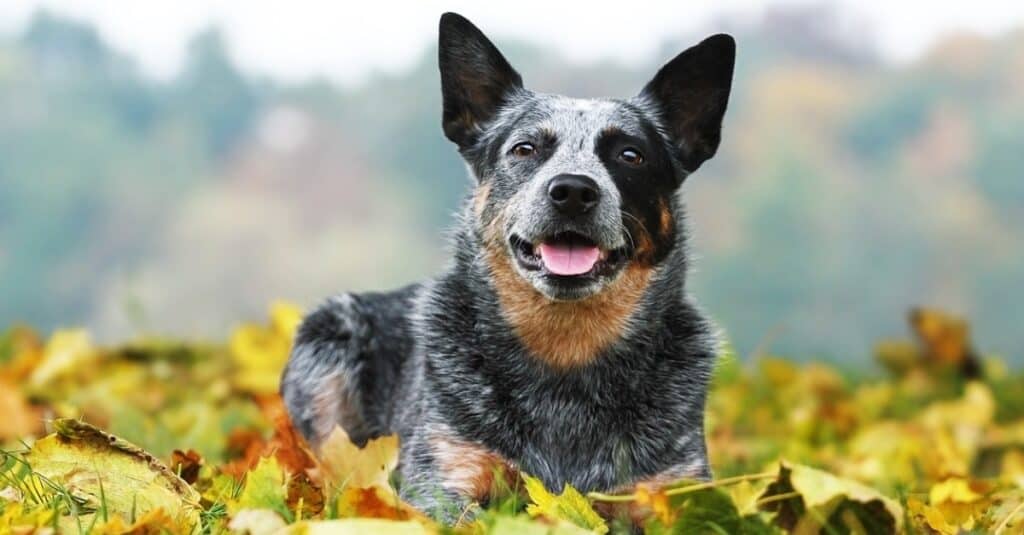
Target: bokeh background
173, 168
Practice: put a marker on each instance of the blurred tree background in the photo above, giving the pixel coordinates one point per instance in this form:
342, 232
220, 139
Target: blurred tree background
846, 189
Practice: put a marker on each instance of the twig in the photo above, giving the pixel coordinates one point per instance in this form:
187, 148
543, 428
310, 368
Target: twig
1006, 521
598, 496
777, 498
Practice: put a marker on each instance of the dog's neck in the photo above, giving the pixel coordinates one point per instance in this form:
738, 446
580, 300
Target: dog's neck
570, 334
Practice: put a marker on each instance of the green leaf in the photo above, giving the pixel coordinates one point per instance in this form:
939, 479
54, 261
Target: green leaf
707, 511
264, 489
570, 506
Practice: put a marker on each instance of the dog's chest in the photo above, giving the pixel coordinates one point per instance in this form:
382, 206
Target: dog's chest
592, 434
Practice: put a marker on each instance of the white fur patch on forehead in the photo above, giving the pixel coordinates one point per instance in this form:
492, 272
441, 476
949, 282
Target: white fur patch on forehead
579, 118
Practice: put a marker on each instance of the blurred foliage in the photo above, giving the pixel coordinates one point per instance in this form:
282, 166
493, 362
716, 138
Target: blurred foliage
845, 187
195, 439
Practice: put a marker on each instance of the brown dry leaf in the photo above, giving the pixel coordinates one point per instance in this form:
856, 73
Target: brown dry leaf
375, 502
245, 447
290, 449
304, 497
26, 353
342, 463
19, 419
944, 338
186, 464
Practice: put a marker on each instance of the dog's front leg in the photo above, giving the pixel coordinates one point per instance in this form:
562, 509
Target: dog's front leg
449, 477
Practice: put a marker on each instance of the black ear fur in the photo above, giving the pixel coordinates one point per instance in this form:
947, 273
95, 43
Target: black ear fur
692, 92
475, 78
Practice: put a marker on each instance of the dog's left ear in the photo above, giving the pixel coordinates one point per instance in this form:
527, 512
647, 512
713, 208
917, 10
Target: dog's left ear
475, 78
691, 93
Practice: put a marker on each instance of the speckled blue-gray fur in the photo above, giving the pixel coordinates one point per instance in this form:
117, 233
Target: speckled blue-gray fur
589, 370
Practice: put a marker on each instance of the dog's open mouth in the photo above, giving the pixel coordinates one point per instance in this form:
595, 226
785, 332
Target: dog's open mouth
567, 254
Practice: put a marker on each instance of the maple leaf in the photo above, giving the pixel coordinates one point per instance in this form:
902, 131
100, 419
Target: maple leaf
570, 505
264, 488
342, 463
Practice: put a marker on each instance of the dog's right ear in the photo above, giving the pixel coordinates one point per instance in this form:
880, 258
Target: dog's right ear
475, 78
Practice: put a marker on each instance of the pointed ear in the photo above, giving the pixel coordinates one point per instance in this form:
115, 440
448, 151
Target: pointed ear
691, 93
475, 78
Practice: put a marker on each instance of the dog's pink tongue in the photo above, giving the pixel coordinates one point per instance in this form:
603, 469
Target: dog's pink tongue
565, 259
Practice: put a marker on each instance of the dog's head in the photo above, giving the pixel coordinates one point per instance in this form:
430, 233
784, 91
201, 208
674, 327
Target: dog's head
576, 190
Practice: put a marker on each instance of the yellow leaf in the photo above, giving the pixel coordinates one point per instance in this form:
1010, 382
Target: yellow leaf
261, 351
360, 526
65, 350
285, 318
822, 494
342, 463
570, 505
16, 518
954, 489
256, 522
960, 502
106, 471
924, 515
745, 495
264, 488
155, 522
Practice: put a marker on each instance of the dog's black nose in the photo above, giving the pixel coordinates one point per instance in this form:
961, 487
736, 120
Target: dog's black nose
573, 195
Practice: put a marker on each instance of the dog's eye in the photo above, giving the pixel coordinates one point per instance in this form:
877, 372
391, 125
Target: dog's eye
523, 150
631, 156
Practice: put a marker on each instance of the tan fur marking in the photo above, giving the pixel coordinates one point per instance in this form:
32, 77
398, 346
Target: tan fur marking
564, 334
327, 405
469, 469
666, 219
480, 200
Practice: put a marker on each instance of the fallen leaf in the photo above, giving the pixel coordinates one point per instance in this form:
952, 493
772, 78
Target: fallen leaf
154, 522
570, 505
342, 463
186, 464
256, 522
822, 499
20, 419
264, 488
107, 472
375, 502
304, 497
65, 351
354, 526
261, 351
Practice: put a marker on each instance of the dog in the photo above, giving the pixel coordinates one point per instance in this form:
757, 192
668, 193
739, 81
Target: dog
560, 342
